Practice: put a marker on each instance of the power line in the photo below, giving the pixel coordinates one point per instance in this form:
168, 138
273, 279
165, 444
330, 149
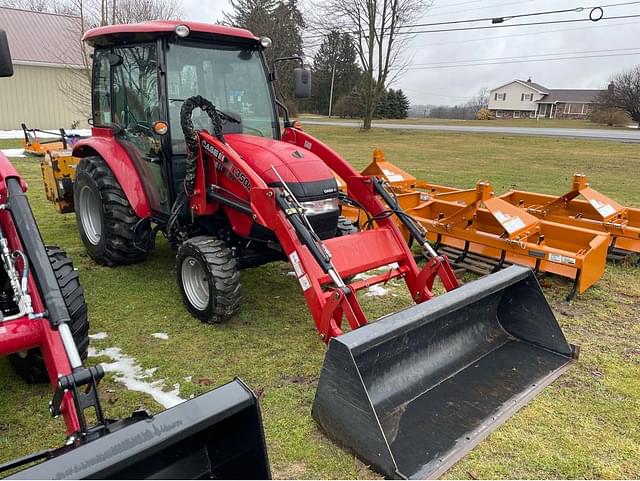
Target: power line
551, 22
497, 21
513, 35
528, 34
525, 57
437, 67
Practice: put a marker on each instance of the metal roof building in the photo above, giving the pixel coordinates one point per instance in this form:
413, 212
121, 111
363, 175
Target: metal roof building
50, 85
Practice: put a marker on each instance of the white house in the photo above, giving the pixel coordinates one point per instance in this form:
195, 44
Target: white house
525, 99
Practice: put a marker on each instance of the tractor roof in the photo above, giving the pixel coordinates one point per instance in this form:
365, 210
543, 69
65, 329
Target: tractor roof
145, 31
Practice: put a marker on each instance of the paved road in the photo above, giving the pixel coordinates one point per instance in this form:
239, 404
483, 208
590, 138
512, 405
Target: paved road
618, 135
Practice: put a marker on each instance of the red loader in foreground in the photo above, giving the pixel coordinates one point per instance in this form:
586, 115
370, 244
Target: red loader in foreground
44, 329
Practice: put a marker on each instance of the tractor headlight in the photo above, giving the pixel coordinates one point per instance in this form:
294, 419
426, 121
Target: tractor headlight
265, 42
315, 207
182, 31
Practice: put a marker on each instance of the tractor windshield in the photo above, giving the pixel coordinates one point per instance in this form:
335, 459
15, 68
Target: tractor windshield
232, 77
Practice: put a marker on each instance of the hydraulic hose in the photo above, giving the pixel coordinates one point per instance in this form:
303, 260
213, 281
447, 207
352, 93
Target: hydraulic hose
191, 136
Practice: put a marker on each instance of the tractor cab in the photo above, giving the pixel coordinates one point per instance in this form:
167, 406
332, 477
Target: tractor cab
142, 75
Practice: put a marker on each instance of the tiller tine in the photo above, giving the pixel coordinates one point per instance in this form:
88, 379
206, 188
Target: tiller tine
215, 435
412, 393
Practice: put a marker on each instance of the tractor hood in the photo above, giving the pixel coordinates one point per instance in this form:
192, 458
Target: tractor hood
304, 172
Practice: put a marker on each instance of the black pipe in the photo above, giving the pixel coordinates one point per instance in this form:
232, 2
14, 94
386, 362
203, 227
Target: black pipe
305, 236
33, 246
239, 206
406, 220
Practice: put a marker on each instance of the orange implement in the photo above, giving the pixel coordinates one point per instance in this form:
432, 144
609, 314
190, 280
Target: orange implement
475, 221
594, 211
33, 144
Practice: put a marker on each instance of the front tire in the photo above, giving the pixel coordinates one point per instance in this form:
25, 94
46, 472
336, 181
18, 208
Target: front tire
30, 364
209, 279
109, 228
345, 227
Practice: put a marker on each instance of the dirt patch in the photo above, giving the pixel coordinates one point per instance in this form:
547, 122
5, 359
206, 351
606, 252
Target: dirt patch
300, 379
294, 470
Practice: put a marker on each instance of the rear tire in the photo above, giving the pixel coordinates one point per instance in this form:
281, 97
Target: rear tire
30, 364
106, 221
209, 279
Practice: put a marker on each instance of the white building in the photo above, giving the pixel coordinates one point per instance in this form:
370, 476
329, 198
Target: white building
520, 99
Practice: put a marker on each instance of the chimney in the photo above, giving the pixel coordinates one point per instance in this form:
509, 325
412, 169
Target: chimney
529, 80
610, 88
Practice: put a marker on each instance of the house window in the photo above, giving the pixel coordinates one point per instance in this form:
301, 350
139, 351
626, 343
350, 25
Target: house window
576, 109
498, 114
502, 96
516, 114
526, 97
532, 114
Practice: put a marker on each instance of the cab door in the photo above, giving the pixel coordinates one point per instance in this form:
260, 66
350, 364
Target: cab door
133, 98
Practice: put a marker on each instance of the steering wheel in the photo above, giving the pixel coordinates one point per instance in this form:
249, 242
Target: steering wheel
260, 132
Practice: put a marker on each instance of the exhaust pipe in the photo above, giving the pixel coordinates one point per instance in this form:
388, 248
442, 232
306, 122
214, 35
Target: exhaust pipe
414, 392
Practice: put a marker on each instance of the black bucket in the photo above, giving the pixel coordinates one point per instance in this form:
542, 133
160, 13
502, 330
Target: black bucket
414, 392
216, 435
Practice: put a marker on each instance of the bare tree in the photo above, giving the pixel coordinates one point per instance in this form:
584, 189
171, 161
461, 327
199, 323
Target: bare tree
479, 101
380, 29
624, 93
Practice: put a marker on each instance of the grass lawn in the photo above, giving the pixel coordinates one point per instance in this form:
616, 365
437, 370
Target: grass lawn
548, 123
585, 425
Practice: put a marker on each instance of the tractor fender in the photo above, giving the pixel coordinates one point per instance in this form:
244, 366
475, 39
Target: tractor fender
120, 163
7, 170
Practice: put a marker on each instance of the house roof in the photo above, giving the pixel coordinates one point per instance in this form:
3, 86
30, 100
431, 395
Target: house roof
42, 38
532, 85
570, 95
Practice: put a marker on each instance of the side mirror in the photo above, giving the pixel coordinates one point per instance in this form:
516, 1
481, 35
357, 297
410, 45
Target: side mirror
302, 82
6, 66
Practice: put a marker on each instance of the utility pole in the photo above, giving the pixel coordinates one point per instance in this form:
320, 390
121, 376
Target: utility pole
333, 76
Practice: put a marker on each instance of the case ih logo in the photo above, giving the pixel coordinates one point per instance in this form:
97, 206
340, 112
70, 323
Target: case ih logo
212, 150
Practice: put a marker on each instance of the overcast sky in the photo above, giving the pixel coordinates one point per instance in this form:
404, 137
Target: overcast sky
614, 41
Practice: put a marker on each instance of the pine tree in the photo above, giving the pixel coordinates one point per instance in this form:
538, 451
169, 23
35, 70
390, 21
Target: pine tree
403, 105
336, 57
282, 22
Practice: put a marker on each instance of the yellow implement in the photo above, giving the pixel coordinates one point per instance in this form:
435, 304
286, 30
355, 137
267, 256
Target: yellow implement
594, 211
58, 173
475, 223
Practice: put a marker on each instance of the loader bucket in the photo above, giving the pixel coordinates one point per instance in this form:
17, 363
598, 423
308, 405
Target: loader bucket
412, 393
215, 435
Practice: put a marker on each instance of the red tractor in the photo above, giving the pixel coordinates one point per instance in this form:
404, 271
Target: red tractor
45, 332
187, 141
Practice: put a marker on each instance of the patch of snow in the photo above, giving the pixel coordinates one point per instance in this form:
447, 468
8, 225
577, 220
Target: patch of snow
13, 152
98, 335
362, 276
161, 335
291, 274
127, 371
376, 290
